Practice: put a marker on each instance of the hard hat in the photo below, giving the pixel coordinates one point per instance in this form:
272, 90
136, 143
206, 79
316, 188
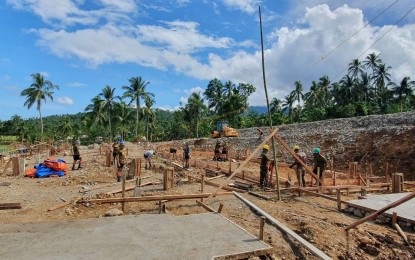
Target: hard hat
316, 150
266, 147
296, 147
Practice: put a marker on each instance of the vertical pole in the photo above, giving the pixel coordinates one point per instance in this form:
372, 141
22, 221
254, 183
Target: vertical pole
332, 171
261, 228
268, 107
220, 207
123, 191
139, 167
339, 201
230, 167
202, 184
16, 166
350, 172
387, 172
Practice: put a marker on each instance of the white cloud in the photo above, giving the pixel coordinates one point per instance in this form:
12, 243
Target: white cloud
121, 5
292, 53
76, 84
248, 6
64, 100
7, 77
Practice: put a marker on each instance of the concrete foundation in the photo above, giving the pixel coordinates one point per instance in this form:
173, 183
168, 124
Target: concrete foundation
201, 236
363, 207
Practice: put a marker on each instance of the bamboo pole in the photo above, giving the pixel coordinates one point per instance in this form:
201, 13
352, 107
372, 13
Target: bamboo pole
268, 107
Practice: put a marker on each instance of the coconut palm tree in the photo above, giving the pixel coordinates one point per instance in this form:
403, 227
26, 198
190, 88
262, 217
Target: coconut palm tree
297, 94
107, 104
381, 76
372, 61
195, 108
39, 91
403, 91
147, 112
287, 104
124, 114
137, 91
355, 69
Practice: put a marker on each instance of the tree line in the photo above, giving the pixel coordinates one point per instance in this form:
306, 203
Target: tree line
366, 89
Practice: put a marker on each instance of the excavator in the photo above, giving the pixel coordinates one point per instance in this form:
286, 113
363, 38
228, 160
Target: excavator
223, 130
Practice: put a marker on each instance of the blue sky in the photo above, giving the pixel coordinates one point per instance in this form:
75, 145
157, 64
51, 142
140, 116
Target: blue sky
179, 45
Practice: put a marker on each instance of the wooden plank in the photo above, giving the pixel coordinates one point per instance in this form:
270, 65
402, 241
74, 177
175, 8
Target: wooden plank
259, 195
132, 187
379, 212
317, 252
319, 195
10, 205
205, 206
154, 198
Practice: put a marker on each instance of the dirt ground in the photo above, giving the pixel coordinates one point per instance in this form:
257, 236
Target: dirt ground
315, 219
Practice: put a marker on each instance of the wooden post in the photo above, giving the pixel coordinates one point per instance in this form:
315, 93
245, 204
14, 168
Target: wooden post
261, 228
332, 171
348, 176
217, 165
220, 207
387, 172
230, 167
123, 191
397, 182
202, 184
16, 168
168, 181
108, 161
339, 200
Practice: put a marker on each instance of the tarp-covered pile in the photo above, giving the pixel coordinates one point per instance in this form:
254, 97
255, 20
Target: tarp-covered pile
49, 168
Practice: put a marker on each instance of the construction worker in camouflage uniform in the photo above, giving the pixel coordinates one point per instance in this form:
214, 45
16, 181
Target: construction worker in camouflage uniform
300, 171
319, 165
263, 168
121, 160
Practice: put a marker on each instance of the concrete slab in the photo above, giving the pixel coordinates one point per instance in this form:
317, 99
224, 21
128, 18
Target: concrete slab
405, 211
201, 236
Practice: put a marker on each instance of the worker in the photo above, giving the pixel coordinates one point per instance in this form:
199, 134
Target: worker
115, 148
76, 155
173, 152
217, 151
225, 151
263, 180
186, 154
300, 171
319, 164
260, 133
121, 159
148, 155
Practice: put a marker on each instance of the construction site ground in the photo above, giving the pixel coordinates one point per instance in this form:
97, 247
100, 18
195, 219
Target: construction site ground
315, 219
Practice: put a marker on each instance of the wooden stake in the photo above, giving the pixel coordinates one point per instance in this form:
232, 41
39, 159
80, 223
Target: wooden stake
123, 191
339, 200
16, 168
398, 228
387, 172
261, 228
332, 171
202, 184
220, 208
